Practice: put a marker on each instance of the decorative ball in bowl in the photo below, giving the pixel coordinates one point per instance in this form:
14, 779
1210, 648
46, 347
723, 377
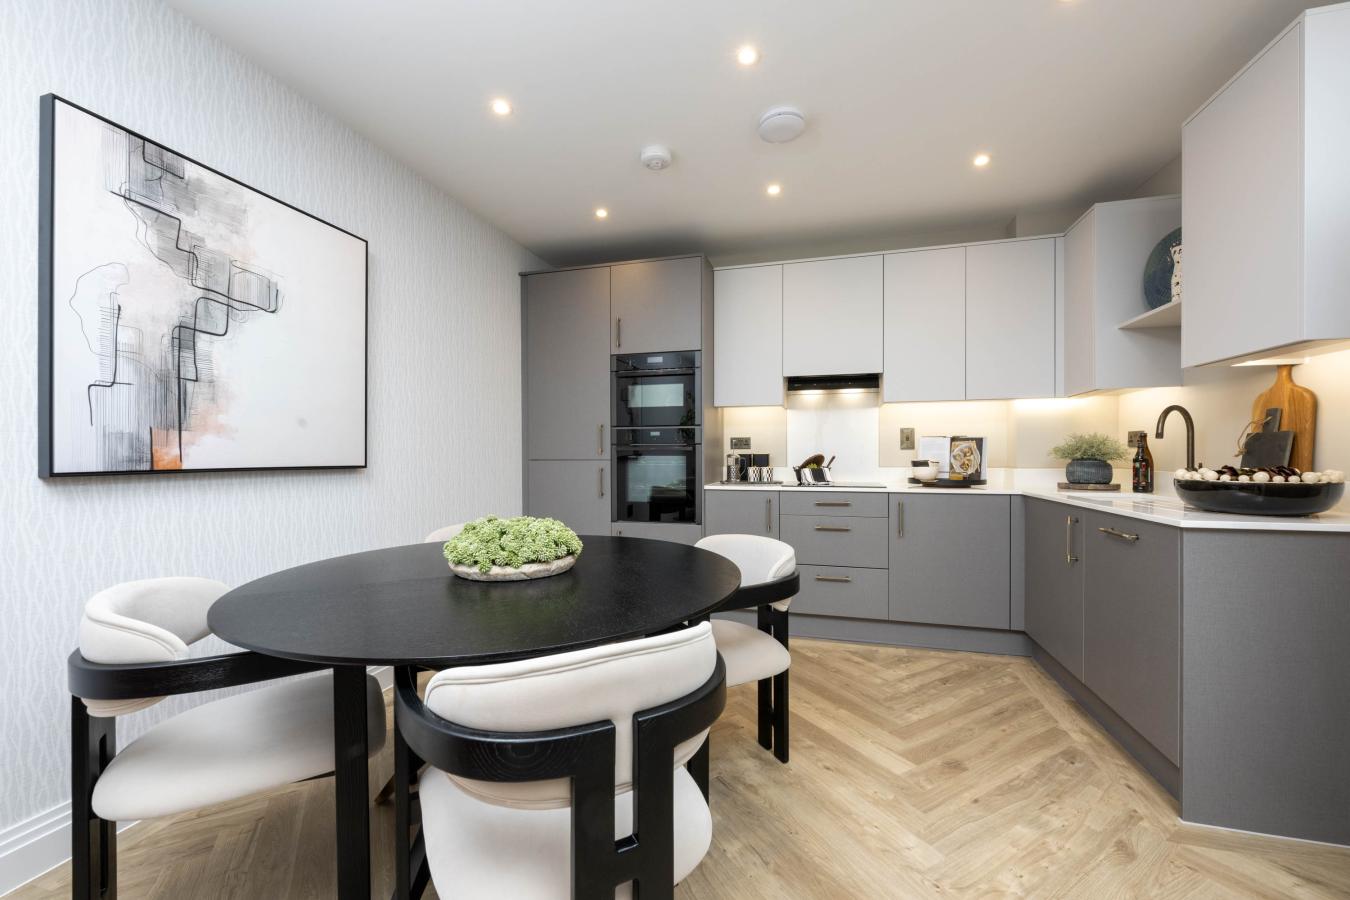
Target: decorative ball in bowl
1272, 491
516, 549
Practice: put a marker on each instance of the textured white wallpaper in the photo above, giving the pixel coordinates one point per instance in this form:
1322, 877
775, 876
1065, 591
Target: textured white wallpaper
444, 356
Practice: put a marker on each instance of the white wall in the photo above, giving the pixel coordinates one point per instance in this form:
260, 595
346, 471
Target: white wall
444, 422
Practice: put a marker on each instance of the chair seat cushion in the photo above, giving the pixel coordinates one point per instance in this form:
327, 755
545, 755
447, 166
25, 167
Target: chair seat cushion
478, 849
230, 748
750, 654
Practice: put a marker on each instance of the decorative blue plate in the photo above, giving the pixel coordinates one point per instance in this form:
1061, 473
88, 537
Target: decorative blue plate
1158, 271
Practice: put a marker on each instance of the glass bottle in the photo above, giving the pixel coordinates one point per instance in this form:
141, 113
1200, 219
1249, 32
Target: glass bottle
1142, 469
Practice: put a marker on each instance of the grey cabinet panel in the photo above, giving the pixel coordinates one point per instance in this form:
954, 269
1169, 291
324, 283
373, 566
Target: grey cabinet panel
656, 305
840, 591
1132, 624
748, 325
740, 512
923, 288
950, 560
1054, 581
567, 364
832, 316
811, 502
836, 540
575, 492
1010, 320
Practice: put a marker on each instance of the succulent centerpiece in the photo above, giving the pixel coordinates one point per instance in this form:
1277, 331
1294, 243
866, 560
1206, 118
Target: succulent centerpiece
1089, 457
515, 549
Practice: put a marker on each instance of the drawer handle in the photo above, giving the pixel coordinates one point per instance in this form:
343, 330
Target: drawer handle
834, 503
833, 528
899, 518
768, 515
600, 441
1123, 535
618, 332
841, 579
601, 481
1069, 558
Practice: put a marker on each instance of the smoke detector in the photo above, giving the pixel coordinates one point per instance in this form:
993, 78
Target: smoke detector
781, 124
656, 157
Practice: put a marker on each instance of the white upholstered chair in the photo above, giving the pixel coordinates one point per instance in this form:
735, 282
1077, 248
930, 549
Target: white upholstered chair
443, 534
759, 654
535, 767
134, 640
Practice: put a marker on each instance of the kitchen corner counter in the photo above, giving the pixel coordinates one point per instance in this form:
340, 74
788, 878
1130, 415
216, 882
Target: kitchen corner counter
1162, 507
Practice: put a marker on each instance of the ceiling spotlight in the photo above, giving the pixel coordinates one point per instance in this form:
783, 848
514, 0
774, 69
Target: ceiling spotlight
747, 55
601, 213
981, 160
774, 189
501, 107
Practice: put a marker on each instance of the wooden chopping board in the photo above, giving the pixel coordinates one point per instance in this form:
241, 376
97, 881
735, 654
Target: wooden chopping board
1299, 406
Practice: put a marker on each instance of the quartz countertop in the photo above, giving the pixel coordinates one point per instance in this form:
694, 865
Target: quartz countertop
1162, 506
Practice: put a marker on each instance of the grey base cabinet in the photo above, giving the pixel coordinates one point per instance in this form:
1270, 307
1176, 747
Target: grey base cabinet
576, 492
950, 560
852, 593
740, 512
1054, 581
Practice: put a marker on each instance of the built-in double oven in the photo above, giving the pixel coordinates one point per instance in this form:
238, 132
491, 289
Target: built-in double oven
658, 435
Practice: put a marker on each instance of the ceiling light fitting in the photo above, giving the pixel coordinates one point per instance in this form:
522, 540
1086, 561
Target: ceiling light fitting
781, 124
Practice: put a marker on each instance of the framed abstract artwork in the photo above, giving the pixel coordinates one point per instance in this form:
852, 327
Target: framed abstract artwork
188, 322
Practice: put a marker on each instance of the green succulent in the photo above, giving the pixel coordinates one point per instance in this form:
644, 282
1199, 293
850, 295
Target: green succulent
511, 543
1091, 446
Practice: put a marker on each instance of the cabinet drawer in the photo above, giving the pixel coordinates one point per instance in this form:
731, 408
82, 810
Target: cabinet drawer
811, 502
836, 540
839, 591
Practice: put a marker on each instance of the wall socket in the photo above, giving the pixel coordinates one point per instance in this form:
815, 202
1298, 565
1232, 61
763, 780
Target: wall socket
906, 438
1134, 437
740, 443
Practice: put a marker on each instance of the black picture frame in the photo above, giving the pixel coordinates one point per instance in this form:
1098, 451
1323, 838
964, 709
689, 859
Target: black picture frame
46, 299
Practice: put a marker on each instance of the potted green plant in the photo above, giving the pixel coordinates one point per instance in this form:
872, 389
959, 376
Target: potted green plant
1089, 457
493, 549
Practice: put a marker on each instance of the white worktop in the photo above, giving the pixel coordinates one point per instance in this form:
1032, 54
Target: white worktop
1162, 507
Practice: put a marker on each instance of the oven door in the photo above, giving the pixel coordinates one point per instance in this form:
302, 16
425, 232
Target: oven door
656, 399
656, 482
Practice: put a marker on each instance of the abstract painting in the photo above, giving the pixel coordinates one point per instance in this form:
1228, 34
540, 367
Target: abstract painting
188, 322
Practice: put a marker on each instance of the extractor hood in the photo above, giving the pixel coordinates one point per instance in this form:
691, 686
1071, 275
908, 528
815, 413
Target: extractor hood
834, 384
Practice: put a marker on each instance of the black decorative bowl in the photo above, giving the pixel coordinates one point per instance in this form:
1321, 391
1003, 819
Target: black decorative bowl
1250, 498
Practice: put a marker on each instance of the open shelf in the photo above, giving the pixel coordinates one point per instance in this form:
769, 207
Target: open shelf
1166, 316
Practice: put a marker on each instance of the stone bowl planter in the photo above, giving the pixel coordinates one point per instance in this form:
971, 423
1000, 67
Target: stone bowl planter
1088, 471
524, 573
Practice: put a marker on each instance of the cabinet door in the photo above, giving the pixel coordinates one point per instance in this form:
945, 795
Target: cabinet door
656, 306
740, 512
951, 560
924, 325
1054, 581
567, 364
1010, 320
748, 336
1078, 343
573, 491
1132, 624
832, 317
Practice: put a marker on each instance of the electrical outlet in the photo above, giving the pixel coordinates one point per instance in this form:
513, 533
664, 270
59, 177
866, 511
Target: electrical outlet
740, 443
1134, 438
906, 438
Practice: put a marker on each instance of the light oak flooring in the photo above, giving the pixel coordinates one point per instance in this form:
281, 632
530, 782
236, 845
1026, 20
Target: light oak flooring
914, 774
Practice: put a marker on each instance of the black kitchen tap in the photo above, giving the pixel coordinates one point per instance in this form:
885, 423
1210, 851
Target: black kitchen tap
1190, 431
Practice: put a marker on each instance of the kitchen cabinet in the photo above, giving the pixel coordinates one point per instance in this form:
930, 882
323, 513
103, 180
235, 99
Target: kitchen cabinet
1264, 221
1132, 624
1103, 254
816, 502
1010, 319
567, 364
852, 541
576, 492
1054, 581
734, 511
832, 316
657, 305
950, 560
748, 323
846, 592
924, 313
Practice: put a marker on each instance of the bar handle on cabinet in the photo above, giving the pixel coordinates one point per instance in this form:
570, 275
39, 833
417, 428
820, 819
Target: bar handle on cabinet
834, 503
1123, 535
833, 528
899, 518
602, 481
618, 332
1069, 558
841, 579
768, 515
600, 440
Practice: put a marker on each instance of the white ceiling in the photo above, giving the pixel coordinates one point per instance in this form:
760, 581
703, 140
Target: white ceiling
1076, 101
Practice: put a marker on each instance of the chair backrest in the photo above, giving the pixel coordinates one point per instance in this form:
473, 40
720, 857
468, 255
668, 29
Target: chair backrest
759, 558
443, 534
611, 682
143, 622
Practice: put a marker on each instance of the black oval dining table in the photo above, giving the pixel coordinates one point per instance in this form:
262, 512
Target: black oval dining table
401, 606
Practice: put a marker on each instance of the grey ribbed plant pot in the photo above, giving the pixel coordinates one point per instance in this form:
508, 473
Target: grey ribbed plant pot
1088, 471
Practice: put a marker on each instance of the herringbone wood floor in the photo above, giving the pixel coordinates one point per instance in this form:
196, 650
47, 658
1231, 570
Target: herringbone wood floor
914, 774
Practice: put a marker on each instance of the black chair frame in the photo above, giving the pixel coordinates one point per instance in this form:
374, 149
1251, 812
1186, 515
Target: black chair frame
773, 692
93, 740
585, 754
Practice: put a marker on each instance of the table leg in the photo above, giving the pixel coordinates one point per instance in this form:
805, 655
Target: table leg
351, 744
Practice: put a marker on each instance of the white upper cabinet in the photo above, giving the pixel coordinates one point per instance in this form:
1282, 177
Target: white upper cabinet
1104, 255
1265, 229
924, 334
832, 317
1010, 319
748, 349
656, 306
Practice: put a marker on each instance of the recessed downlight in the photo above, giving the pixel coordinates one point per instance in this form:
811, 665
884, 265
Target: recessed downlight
774, 189
501, 106
747, 54
601, 212
981, 160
